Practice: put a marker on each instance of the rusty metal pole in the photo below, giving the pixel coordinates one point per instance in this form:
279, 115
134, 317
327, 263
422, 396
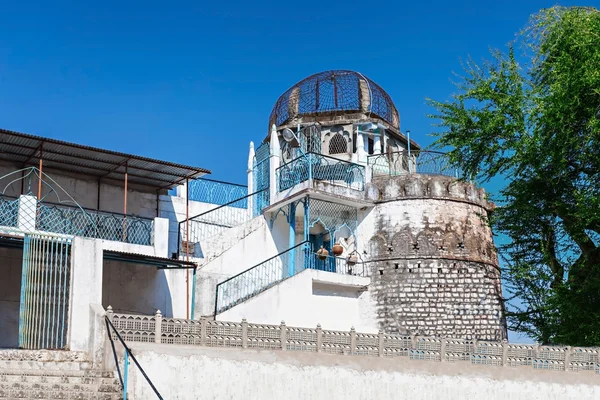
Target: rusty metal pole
187, 244
125, 204
39, 194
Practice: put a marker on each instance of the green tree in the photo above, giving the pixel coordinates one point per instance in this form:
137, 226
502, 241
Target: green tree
536, 124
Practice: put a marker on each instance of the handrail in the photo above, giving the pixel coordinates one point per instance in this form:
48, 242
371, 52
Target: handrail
223, 205
217, 181
93, 210
220, 284
263, 261
208, 212
128, 353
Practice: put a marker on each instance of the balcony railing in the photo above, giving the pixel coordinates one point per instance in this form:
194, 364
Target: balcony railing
217, 192
76, 221
259, 278
212, 222
9, 211
419, 162
322, 168
268, 273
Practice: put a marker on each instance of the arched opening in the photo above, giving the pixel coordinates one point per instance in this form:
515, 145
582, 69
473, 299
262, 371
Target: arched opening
338, 144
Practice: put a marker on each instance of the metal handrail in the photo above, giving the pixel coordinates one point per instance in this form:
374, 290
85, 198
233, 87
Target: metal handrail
227, 183
128, 352
251, 268
208, 212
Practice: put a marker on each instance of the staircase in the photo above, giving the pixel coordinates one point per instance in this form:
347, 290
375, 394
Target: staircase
28, 374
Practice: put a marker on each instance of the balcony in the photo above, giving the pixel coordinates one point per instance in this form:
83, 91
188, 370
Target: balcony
318, 167
417, 162
26, 214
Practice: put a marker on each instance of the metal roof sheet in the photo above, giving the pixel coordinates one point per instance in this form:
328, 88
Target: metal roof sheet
27, 149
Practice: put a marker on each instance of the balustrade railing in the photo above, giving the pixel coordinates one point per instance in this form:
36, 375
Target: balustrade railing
214, 221
259, 278
338, 265
76, 221
9, 211
217, 192
203, 332
419, 162
322, 168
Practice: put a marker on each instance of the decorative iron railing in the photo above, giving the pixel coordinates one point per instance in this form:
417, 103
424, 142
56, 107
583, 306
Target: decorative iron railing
322, 168
418, 162
286, 264
9, 211
214, 221
338, 265
217, 192
259, 278
76, 221
203, 332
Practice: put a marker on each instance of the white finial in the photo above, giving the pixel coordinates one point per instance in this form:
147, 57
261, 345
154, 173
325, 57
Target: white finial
251, 157
274, 145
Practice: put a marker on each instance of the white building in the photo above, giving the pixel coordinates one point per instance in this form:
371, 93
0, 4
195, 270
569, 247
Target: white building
362, 242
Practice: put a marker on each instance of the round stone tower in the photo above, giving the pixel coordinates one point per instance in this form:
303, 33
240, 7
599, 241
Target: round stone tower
433, 263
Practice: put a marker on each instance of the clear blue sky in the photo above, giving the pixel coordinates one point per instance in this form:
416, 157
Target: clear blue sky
194, 82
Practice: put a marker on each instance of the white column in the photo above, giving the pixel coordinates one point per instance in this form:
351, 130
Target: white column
275, 162
377, 144
27, 213
250, 176
361, 149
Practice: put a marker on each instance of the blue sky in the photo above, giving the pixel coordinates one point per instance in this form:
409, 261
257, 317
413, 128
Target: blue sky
194, 82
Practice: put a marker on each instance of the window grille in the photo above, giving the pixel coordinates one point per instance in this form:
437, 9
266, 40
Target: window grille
338, 144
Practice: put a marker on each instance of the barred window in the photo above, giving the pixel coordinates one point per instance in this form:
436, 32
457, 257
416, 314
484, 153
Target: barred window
337, 144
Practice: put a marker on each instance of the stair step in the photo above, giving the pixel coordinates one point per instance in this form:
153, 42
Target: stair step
39, 365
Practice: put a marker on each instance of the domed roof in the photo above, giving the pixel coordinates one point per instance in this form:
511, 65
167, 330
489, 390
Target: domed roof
335, 93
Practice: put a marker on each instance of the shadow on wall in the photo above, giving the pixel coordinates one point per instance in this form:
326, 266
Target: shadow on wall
135, 289
11, 261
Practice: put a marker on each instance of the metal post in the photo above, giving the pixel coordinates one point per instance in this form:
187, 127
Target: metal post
187, 245
39, 196
292, 240
125, 204
193, 292
125, 374
408, 141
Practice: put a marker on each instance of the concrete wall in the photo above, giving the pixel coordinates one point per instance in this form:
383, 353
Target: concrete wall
141, 289
242, 248
83, 189
124, 283
231, 374
312, 297
10, 295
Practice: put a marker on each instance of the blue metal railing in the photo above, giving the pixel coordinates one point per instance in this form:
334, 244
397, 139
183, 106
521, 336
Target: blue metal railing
259, 278
270, 272
322, 168
217, 192
76, 221
123, 378
416, 162
212, 222
9, 211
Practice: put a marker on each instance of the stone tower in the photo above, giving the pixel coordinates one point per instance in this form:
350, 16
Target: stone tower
434, 266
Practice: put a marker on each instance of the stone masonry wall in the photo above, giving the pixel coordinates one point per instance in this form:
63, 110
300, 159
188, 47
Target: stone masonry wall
434, 266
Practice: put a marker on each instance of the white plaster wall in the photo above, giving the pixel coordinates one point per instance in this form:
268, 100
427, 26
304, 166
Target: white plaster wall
173, 208
10, 295
141, 289
336, 301
240, 249
187, 372
84, 190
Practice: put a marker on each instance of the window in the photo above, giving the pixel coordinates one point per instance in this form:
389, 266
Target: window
338, 144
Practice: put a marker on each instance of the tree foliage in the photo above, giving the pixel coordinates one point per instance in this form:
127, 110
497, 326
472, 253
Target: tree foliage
536, 123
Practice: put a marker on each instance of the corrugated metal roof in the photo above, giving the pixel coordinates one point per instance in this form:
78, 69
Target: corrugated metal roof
26, 149
148, 260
